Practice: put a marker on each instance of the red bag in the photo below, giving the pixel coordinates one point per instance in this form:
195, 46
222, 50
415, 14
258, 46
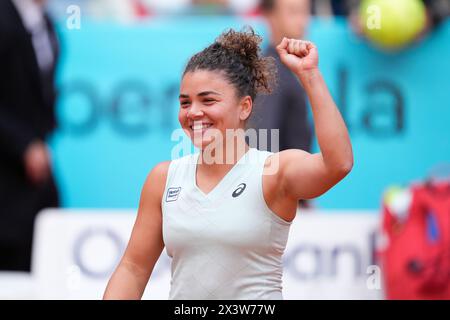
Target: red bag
416, 261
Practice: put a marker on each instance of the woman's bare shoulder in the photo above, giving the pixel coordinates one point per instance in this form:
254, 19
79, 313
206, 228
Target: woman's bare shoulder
156, 180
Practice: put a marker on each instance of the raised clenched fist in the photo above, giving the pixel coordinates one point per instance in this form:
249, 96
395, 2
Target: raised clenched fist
298, 55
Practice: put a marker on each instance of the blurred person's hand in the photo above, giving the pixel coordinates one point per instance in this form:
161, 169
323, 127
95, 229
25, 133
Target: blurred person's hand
37, 162
301, 57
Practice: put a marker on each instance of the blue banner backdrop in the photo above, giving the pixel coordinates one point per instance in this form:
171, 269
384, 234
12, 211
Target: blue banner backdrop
118, 106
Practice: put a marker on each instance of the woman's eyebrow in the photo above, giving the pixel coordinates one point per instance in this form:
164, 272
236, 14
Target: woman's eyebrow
201, 94
206, 93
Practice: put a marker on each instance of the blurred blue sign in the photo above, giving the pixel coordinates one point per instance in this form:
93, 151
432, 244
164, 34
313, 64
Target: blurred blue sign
118, 106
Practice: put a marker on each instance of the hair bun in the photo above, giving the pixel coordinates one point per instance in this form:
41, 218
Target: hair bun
238, 55
246, 44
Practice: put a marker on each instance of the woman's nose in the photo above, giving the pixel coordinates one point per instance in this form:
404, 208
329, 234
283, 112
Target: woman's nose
195, 111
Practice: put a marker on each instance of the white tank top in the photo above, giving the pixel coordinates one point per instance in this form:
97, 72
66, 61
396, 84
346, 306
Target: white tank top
226, 244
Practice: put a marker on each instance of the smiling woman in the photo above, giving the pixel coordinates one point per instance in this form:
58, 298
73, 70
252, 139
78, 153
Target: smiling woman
220, 84
226, 225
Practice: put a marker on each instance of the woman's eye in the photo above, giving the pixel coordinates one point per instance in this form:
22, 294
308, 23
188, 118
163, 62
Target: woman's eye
184, 103
209, 101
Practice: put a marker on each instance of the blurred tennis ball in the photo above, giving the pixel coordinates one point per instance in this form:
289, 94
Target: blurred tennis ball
392, 24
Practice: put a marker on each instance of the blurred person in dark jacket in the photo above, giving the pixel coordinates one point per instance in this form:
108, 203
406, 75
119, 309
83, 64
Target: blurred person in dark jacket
287, 105
286, 108
28, 55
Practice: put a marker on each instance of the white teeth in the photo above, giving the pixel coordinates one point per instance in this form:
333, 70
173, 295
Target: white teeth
201, 126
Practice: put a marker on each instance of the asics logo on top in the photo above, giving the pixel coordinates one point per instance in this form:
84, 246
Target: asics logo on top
239, 190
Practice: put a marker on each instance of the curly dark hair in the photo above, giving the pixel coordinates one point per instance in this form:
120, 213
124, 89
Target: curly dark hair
238, 56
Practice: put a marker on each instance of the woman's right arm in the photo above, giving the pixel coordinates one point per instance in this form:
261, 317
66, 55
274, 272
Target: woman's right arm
146, 243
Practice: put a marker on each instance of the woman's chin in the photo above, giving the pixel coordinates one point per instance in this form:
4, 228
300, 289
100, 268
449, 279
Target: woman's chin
204, 139
203, 144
